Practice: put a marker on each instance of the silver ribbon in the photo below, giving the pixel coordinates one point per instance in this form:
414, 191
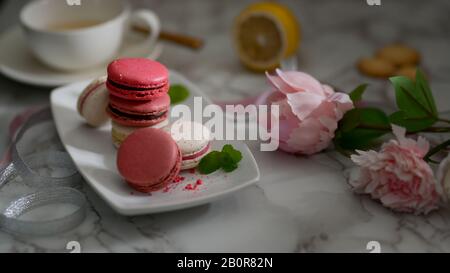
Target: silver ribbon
51, 189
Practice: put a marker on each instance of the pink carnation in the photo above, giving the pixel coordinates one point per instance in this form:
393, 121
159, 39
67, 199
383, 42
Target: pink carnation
397, 175
309, 111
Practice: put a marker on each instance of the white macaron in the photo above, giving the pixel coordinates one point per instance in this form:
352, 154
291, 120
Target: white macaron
93, 101
194, 142
120, 132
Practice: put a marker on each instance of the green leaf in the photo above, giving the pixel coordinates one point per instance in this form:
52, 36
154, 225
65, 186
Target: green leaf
361, 127
210, 163
356, 95
227, 162
375, 118
360, 138
178, 93
351, 120
341, 150
412, 100
412, 125
424, 87
235, 155
227, 159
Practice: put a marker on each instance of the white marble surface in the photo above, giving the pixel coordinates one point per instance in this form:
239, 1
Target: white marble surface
301, 204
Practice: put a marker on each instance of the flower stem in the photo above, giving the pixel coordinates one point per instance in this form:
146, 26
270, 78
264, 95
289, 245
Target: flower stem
388, 128
343, 152
436, 149
444, 120
437, 130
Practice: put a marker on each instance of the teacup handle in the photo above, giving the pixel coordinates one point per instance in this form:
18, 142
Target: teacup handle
150, 20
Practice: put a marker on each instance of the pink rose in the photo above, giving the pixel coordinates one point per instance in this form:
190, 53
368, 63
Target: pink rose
309, 111
397, 175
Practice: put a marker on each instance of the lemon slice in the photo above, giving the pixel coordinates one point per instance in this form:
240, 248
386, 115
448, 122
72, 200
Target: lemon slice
264, 34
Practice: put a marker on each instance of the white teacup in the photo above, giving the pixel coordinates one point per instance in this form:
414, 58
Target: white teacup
74, 37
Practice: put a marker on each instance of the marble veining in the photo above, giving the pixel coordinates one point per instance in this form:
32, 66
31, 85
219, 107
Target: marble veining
301, 204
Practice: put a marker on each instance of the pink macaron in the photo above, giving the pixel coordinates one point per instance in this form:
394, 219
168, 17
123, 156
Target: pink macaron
93, 101
149, 159
137, 79
139, 113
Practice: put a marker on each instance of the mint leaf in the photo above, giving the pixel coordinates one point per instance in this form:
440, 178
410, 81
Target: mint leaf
227, 159
227, 162
210, 163
412, 125
414, 100
235, 155
356, 95
178, 93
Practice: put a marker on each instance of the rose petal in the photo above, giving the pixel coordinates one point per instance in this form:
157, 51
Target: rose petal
342, 100
301, 81
303, 104
328, 90
280, 85
309, 137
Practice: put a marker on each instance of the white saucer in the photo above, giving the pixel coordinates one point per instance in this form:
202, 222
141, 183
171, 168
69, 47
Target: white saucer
94, 155
16, 62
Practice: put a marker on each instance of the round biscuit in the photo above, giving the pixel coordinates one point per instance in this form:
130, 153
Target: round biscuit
407, 71
399, 54
376, 67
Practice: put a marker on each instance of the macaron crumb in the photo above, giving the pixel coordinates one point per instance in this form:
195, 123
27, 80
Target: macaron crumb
179, 179
194, 186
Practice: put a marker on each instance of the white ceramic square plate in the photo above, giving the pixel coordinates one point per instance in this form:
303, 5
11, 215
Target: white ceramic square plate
95, 156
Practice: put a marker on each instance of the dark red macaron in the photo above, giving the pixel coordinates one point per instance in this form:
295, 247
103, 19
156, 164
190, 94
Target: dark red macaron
149, 159
139, 113
137, 79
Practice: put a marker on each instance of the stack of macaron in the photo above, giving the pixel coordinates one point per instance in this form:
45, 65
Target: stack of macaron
138, 98
135, 96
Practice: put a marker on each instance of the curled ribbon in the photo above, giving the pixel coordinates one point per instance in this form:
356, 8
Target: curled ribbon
51, 189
